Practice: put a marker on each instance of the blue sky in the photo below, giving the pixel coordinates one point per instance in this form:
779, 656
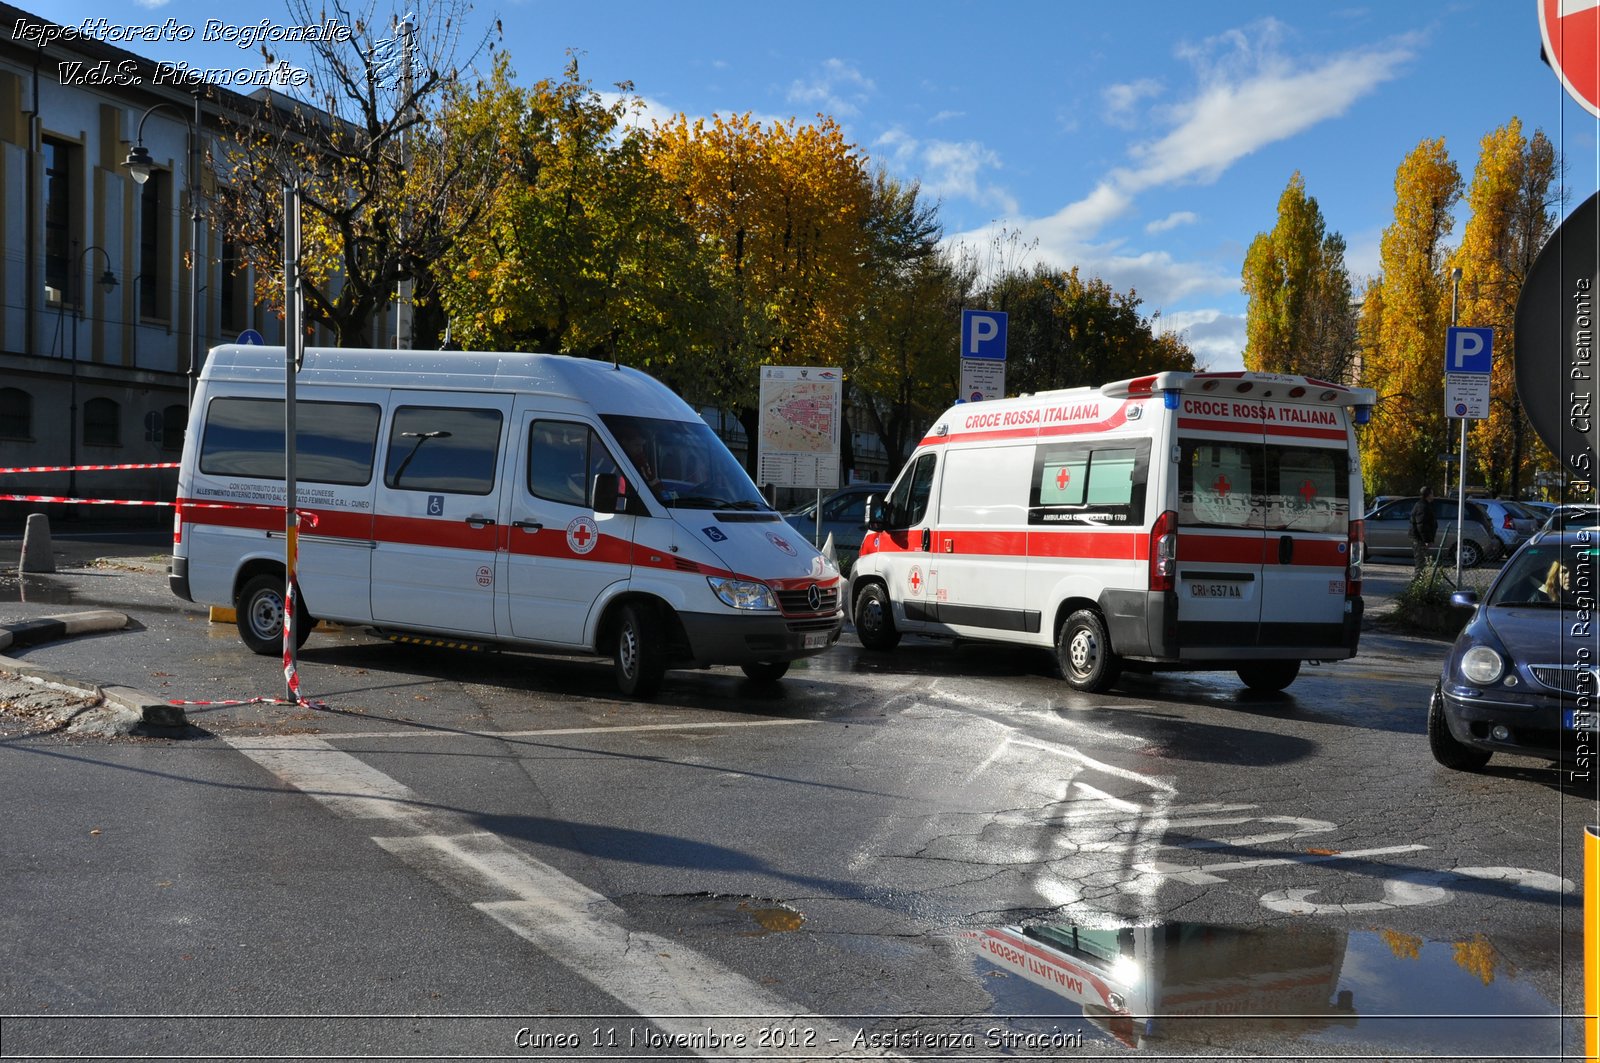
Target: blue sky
1145, 142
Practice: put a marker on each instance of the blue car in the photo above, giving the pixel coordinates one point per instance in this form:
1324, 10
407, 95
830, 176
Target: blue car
1521, 677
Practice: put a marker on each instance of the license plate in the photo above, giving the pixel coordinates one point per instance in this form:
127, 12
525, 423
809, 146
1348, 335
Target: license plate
1216, 590
815, 640
1582, 719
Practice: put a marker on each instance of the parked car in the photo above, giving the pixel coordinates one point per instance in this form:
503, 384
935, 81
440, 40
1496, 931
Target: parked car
1515, 680
1514, 524
844, 516
1572, 516
1389, 531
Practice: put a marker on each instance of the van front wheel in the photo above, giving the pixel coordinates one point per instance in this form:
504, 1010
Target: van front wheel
258, 612
875, 619
641, 654
1084, 654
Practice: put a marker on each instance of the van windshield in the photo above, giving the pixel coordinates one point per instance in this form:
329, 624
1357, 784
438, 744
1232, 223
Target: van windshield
683, 463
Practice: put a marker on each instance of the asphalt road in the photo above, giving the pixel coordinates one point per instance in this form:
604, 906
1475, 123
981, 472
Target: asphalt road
486, 855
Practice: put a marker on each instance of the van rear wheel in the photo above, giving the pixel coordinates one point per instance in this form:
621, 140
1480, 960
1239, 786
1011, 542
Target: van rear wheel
875, 619
258, 612
1269, 676
640, 658
1084, 654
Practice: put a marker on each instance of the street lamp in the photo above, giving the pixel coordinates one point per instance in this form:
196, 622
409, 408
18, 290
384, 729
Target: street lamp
140, 165
107, 282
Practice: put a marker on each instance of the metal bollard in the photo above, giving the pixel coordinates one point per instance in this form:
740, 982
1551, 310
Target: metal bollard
37, 555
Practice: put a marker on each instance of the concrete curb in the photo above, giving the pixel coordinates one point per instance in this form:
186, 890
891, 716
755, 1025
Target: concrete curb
122, 708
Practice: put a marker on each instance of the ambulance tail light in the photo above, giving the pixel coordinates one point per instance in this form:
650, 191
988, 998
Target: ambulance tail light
177, 525
1358, 557
1164, 552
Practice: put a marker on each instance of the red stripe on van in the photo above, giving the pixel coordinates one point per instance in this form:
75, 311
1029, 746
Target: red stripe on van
1253, 429
1030, 542
1253, 550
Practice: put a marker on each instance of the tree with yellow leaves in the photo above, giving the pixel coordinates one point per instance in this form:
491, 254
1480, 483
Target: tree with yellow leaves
1404, 316
1298, 319
1512, 203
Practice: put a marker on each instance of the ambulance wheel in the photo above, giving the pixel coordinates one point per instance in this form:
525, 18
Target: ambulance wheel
1269, 676
1446, 749
641, 654
258, 611
766, 671
875, 619
1084, 654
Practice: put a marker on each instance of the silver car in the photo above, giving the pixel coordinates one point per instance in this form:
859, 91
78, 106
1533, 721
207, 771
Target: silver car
844, 516
1513, 523
1389, 531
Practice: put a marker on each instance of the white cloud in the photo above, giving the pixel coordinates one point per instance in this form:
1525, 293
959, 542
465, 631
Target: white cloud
1122, 101
838, 89
946, 169
1172, 221
151, 5
1215, 337
649, 110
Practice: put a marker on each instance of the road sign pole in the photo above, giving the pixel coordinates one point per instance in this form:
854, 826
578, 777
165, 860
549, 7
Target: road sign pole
1461, 483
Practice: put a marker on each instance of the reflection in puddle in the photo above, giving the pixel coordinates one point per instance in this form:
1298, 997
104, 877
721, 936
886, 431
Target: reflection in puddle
33, 589
1198, 984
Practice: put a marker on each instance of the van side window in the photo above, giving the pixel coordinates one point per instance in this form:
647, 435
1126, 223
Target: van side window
438, 448
334, 441
563, 458
908, 501
1215, 483
1089, 483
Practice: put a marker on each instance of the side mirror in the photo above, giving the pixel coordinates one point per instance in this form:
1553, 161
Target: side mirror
877, 513
1466, 598
606, 496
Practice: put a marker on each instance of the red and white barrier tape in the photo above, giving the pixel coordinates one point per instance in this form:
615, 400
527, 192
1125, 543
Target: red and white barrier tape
83, 501
87, 468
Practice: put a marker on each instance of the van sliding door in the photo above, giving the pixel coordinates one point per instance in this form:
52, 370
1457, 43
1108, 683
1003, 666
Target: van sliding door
435, 561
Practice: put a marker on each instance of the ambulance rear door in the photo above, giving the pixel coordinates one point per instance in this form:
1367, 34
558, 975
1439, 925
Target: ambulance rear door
1221, 536
1307, 521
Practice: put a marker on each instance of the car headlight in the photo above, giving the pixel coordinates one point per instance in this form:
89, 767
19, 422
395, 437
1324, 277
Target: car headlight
1482, 665
742, 593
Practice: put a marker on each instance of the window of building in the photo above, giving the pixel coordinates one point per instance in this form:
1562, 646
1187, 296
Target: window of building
102, 423
60, 215
154, 236
16, 414
174, 423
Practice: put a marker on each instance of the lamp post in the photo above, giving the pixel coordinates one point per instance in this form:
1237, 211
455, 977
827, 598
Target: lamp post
107, 282
140, 165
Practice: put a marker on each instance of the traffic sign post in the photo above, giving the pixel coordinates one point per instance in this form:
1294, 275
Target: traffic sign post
983, 355
1468, 363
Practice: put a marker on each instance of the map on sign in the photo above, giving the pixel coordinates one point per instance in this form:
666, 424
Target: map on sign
799, 430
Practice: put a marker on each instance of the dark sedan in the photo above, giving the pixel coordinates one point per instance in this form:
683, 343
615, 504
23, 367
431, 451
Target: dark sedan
1521, 677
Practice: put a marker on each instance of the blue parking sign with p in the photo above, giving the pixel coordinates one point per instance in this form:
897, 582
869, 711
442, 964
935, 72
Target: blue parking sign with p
983, 334
1469, 350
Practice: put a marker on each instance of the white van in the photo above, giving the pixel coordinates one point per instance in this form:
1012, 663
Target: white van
517, 500
1180, 520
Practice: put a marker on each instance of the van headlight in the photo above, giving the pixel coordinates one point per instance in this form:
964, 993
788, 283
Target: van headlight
1482, 665
742, 593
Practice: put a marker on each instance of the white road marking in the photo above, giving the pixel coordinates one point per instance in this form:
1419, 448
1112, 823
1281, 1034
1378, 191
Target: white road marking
1205, 874
669, 984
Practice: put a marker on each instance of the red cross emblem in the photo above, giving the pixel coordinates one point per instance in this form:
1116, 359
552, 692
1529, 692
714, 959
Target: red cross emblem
916, 581
1308, 491
1222, 486
1062, 479
582, 535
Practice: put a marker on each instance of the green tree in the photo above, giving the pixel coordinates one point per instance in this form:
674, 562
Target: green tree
1064, 330
1299, 318
579, 250
1404, 316
1512, 204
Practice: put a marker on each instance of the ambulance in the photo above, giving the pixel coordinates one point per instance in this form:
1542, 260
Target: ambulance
1173, 521
521, 501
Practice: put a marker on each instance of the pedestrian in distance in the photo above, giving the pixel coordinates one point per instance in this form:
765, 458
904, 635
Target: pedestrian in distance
1424, 526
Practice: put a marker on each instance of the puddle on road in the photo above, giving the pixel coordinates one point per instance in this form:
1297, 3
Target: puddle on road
32, 589
1182, 985
741, 916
